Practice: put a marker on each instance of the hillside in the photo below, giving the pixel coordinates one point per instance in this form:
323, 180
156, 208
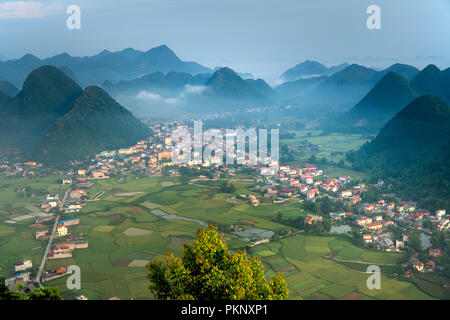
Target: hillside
95, 123
157, 82
294, 89
47, 95
433, 81
4, 98
388, 97
8, 88
309, 69
225, 89
53, 120
406, 71
343, 89
412, 148
127, 64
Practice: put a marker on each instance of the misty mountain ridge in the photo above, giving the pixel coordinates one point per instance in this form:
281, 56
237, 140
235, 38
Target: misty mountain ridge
391, 94
222, 90
114, 66
413, 147
52, 116
309, 69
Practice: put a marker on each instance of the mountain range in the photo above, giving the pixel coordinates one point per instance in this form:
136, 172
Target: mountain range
8, 88
94, 70
413, 148
433, 81
53, 120
390, 95
309, 69
223, 90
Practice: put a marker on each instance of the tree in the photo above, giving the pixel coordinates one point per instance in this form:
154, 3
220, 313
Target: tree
414, 240
227, 187
209, 271
45, 293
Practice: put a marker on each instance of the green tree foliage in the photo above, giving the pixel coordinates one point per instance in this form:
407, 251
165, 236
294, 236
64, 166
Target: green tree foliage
414, 149
227, 187
414, 240
209, 271
45, 293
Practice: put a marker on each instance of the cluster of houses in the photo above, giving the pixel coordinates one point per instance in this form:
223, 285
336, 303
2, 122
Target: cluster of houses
19, 169
428, 266
308, 179
21, 276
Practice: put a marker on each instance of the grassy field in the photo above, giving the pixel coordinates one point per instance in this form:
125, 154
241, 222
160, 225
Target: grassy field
310, 275
123, 235
331, 146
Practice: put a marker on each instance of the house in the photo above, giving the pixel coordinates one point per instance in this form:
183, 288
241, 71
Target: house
375, 226
61, 230
77, 194
346, 194
307, 178
40, 234
23, 265
434, 253
70, 222
378, 218
67, 181
311, 194
367, 238
364, 221
388, 223
99, 174
409, 273
310, 219
430, 266
399, 244
344, 179
418, 266
164, 155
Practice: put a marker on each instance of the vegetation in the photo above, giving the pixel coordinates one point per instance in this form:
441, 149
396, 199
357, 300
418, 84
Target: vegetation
413, 150
45, 293
209, 271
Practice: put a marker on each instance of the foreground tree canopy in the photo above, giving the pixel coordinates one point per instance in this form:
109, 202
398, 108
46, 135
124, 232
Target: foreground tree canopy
45, 293
209, 271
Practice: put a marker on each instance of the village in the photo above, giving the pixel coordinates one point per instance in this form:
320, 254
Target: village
374, 220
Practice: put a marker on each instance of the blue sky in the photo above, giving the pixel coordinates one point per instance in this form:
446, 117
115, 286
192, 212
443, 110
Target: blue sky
263, 37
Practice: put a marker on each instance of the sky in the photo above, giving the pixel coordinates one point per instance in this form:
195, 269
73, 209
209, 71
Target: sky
263, 37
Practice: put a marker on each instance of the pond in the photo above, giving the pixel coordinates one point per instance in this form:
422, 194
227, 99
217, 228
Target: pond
425, 240
166, 216
245, 234
340, 229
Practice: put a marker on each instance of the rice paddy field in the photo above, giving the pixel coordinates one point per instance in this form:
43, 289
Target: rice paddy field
331, 146
125, 232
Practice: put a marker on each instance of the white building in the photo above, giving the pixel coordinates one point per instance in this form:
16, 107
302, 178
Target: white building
23, 265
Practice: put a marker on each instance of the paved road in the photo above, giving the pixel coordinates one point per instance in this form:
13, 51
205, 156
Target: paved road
61, 206
44, 258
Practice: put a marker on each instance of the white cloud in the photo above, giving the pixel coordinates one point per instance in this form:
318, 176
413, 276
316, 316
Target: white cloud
147, 95
194, 89
29, 10
172, 101
150, 96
